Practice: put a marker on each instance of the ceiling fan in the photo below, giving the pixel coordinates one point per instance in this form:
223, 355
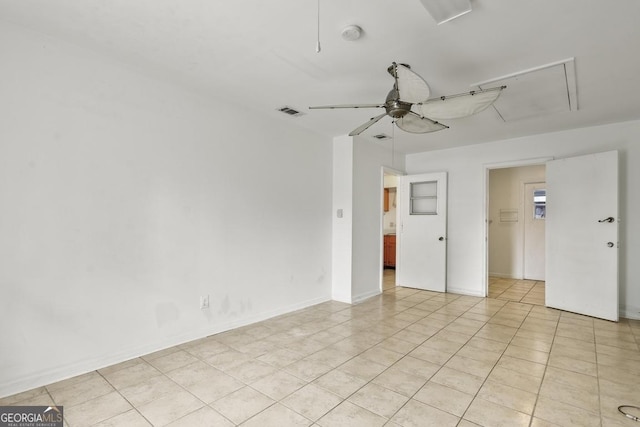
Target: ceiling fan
409, 106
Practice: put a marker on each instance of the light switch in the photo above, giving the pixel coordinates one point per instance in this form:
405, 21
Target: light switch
339, 213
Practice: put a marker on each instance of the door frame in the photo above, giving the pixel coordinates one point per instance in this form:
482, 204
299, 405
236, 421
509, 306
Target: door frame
523, 203
487, 168
385, 170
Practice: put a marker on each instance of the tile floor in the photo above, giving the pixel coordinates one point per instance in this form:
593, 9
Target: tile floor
527, 291
404, 358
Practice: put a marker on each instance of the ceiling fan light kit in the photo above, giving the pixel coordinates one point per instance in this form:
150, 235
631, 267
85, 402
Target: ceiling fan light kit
410, 96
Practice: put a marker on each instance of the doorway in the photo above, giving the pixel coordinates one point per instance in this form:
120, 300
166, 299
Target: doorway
515, 232
389, 227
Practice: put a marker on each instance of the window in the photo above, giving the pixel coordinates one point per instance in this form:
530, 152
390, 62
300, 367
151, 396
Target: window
539, 204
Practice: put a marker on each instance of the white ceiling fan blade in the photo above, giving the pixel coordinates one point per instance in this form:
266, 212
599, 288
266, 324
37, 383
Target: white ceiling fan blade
362, 128
461, 105
413, 123
347, 106
446, 10
411, 87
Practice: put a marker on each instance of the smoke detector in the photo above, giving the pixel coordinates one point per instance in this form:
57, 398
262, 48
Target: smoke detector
351, 33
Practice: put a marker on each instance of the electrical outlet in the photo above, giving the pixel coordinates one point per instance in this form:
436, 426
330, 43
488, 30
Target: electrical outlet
204, 302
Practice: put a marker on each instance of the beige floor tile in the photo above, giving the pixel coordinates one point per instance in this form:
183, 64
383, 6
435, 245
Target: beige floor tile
561, 350
444, 398
79, 392
470, 366
278, 385
521, 365
277, 416
417, 367
214, 386
96, 410
618, 375
488, 345
424, 350
38, 400
171, 361
527, 354
349, 415
169, 408
73, 380
400, 381
486, 413
203, 417
307, 370
382, 356
119, 366
575, 396
242, 404
565, 415
481, 355
572, 379
340, 383
312, 401
397, 345
574, 365
618, 352
378, 400
149, 390
251, 371
432, 355
510, 397
418, 414
207, 348
36, 393
280, 358
330, 356
537, 422
515, 379
362, 368
130, 418
458, 380
227, 359
131, 375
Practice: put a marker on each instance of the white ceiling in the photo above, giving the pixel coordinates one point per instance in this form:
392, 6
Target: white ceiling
260, 54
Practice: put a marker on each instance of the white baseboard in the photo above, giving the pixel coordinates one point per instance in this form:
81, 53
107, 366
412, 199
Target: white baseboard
59, 373
359, 298
463, 291
630, 313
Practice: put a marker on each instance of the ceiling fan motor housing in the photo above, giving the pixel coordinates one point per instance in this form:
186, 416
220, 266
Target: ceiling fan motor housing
396, 108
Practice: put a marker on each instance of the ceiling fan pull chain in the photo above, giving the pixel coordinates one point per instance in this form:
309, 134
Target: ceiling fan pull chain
318, 48
393, 143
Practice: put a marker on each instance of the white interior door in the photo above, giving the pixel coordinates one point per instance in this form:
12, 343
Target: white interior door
422, 238
534, 219
582, 235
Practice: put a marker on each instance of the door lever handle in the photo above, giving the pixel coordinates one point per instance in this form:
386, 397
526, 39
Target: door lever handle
610, 219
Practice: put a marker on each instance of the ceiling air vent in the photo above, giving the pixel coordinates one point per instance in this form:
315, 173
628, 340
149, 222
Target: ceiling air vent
290, 111
381, 136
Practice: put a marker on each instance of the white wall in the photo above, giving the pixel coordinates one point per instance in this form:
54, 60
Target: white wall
369, 158
506, 244
466, 166
342, 231
357, 237
123, 199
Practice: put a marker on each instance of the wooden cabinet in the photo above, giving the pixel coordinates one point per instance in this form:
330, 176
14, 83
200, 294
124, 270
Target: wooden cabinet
389, 250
